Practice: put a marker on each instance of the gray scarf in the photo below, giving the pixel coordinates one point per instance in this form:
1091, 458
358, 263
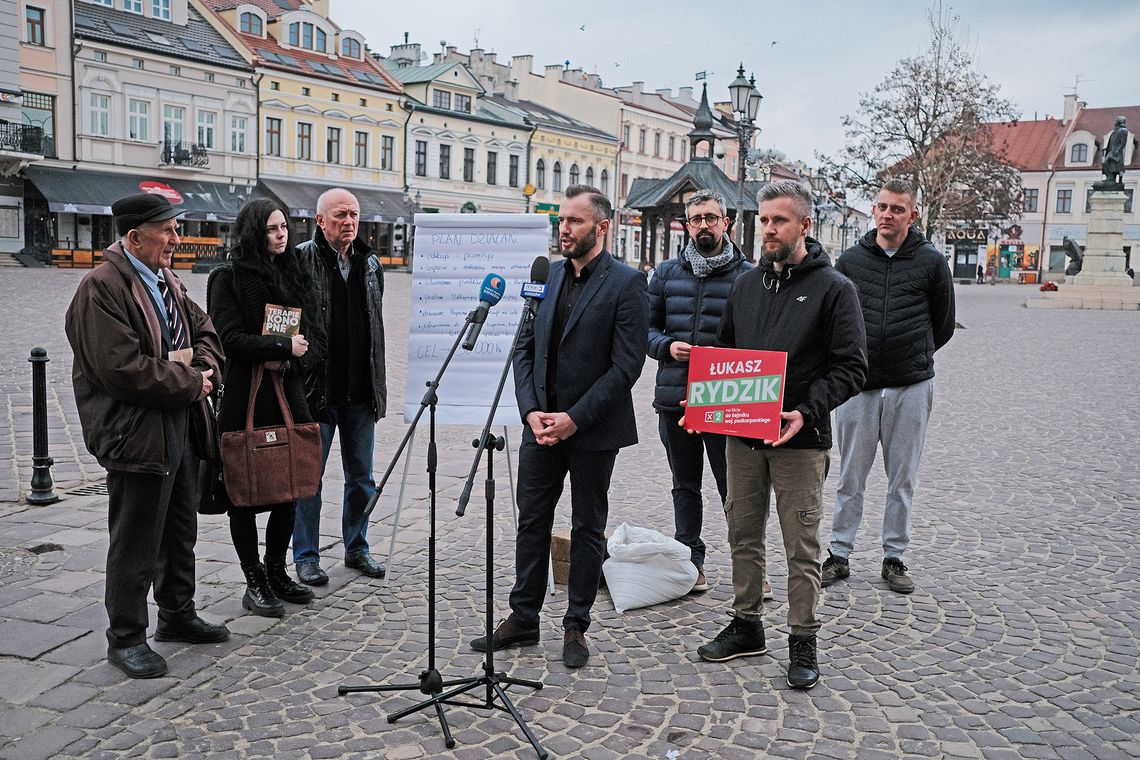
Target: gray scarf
703, 267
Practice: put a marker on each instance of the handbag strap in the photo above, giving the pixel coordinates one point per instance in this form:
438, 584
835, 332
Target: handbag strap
279, 389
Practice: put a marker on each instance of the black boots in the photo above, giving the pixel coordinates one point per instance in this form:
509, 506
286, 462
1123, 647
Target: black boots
259, 597
283, 586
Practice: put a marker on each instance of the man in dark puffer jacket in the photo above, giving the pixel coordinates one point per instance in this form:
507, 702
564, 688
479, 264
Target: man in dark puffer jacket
686, 299
908, 307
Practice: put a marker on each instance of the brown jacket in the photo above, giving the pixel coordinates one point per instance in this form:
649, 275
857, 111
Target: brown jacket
123, 383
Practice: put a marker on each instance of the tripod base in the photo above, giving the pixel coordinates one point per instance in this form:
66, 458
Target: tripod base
431, 683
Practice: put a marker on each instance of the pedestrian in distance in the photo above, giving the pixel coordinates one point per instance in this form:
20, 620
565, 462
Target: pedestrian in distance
907, 296
348, 392
574, 368
686, 300
264, 270
794, 302
145, 355
981, 274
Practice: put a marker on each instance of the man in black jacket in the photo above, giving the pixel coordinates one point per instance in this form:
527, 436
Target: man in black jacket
908, 306
574, 373
348, 392
686, 300
797, 303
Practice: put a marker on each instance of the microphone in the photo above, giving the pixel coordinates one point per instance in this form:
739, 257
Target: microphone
535, 290
489, 294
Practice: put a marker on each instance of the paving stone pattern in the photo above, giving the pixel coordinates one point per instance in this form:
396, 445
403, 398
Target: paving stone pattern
1020, 640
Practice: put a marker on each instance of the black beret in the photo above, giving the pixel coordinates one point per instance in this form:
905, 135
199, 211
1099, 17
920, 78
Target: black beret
136, 210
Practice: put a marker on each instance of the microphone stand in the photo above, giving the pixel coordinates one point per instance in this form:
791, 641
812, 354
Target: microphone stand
430, 681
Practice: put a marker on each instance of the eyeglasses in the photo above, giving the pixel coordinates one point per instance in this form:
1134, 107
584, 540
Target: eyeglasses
708, 220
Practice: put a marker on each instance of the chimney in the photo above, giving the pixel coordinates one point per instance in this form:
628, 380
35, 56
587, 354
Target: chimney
405, 55
320, 7
520, 67
553, 69
1072, 108
637, 88
666, 92
511, 91
685, 94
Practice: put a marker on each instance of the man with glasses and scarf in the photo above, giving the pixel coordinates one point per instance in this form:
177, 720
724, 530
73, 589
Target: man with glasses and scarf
686, 300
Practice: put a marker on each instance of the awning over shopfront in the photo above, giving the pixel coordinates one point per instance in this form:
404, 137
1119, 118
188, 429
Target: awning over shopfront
76, 191
375, 205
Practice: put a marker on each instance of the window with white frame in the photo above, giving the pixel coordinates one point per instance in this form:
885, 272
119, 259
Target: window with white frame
133, 6
387, 152
272, 136
238, 127
251, 23
100, 114
441, 99
360, 149
139, 121
207, 122
463, 103
332, 145
304, 141
173, 120
161, 9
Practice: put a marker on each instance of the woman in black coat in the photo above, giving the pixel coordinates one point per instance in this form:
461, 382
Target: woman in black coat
264, 269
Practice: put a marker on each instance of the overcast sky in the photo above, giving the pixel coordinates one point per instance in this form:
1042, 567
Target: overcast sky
811, 58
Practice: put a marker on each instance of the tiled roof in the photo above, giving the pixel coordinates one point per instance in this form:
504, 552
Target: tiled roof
543, 116
196, 41
1100, 121
271, 55
1030, 145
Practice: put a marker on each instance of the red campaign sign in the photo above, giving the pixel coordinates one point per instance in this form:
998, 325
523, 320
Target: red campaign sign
736, 392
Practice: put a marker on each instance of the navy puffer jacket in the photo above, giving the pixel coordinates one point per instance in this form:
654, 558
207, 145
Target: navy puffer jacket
685, 307
908, 307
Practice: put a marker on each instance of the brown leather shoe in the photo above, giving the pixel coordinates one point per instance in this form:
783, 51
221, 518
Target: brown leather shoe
507, 635
575, 653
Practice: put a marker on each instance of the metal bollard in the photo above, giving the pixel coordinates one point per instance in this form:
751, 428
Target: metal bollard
42, 492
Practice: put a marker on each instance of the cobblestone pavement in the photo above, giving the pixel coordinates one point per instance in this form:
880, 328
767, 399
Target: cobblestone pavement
1020, 640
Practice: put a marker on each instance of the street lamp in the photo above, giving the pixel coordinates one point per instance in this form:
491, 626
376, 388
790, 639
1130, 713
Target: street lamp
745, 105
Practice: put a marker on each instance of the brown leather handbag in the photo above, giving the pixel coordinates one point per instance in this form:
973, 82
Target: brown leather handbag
271, 465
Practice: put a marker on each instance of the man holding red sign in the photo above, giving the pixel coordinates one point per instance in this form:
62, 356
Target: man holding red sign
794, 303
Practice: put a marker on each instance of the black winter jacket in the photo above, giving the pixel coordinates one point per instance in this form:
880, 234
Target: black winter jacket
322, 262
811, 312
908, 307
685, 307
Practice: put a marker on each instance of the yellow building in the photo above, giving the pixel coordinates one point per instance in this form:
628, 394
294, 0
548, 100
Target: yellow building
329, 115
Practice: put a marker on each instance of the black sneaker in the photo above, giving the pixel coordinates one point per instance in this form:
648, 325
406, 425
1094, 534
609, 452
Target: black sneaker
894, 573
740, 638
834, 569
803, 672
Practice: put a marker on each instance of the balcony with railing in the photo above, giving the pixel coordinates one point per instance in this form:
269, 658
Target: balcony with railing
21, 138
185, 155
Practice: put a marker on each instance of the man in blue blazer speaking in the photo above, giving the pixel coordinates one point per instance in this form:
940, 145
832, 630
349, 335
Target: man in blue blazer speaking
574, 373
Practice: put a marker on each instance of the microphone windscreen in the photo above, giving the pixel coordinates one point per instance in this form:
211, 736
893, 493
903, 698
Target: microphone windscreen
540, 269
492, 289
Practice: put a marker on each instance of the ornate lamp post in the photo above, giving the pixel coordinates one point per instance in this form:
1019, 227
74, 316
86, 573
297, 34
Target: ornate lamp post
745, 105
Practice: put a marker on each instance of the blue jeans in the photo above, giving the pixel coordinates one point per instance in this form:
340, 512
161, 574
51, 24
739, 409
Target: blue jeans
357, 435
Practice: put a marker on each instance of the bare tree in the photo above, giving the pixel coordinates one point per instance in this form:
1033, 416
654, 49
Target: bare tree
935, 120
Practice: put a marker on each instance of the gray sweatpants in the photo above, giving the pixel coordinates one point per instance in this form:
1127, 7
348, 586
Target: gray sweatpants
896, 418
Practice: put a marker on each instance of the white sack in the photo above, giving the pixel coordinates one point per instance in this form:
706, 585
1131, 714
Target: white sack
646, 568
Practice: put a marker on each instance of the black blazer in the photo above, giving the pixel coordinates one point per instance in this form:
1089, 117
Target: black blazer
600, 357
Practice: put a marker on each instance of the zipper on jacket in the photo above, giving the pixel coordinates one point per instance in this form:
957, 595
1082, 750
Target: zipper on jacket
886, 301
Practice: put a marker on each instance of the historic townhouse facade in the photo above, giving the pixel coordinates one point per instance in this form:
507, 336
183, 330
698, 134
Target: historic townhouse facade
463, 152
327, 115
161, 104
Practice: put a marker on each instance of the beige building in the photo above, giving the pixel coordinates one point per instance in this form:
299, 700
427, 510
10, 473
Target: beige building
163, 104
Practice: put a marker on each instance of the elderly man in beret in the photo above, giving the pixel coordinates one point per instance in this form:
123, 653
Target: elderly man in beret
145, 354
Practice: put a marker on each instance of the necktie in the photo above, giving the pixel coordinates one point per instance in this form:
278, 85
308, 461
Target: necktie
178, 336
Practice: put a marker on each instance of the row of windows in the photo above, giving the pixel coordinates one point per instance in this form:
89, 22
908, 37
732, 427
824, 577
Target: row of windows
158, 8
174, 70
301, 35
1064, 203
332, 147
540, 176
444, 99
642, 137
421, 162
141, 123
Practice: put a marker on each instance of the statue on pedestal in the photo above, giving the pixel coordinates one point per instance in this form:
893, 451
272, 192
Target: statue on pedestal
1075, 254
1112, 164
